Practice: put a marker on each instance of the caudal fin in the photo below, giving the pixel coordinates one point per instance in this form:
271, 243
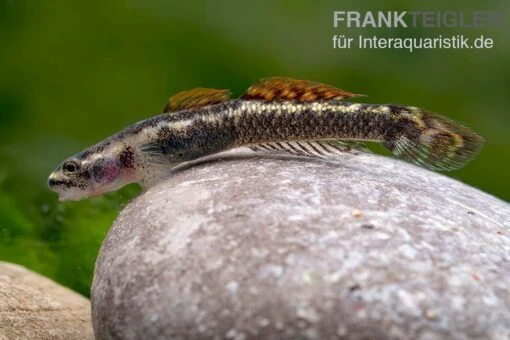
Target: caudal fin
434, 142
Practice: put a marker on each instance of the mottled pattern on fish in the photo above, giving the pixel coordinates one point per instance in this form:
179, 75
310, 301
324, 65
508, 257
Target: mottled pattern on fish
282, 114
187, 135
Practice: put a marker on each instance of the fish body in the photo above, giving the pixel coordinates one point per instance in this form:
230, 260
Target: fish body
276, 114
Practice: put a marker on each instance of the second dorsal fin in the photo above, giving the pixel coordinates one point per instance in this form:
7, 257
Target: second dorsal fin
280, 88
194, 98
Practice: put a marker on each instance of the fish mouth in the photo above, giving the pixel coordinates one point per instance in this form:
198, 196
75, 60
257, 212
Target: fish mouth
61, 187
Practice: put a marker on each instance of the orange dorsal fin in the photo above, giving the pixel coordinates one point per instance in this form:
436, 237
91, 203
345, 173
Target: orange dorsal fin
280, 88
195, 98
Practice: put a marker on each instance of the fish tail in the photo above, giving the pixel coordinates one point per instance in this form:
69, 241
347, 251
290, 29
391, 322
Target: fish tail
433, 141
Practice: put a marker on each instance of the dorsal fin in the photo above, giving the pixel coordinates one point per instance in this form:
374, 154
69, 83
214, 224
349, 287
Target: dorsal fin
280, 88
194, 98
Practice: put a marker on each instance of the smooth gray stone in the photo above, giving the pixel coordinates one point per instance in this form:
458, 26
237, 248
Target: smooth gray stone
36, 308
253, 247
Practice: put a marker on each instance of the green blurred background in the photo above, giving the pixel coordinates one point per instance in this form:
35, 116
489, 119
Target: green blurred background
74, 72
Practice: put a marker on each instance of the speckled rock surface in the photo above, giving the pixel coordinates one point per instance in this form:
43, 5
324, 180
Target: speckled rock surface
267, 247
36, 308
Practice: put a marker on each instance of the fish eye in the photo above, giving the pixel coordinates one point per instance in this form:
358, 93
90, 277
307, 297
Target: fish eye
70, 167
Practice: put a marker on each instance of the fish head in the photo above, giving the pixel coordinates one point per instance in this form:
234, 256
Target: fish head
90, 173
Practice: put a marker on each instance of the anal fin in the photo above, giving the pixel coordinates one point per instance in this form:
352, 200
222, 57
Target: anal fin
326, 149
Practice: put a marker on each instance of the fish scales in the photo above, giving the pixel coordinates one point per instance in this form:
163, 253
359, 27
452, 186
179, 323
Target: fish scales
239, 123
